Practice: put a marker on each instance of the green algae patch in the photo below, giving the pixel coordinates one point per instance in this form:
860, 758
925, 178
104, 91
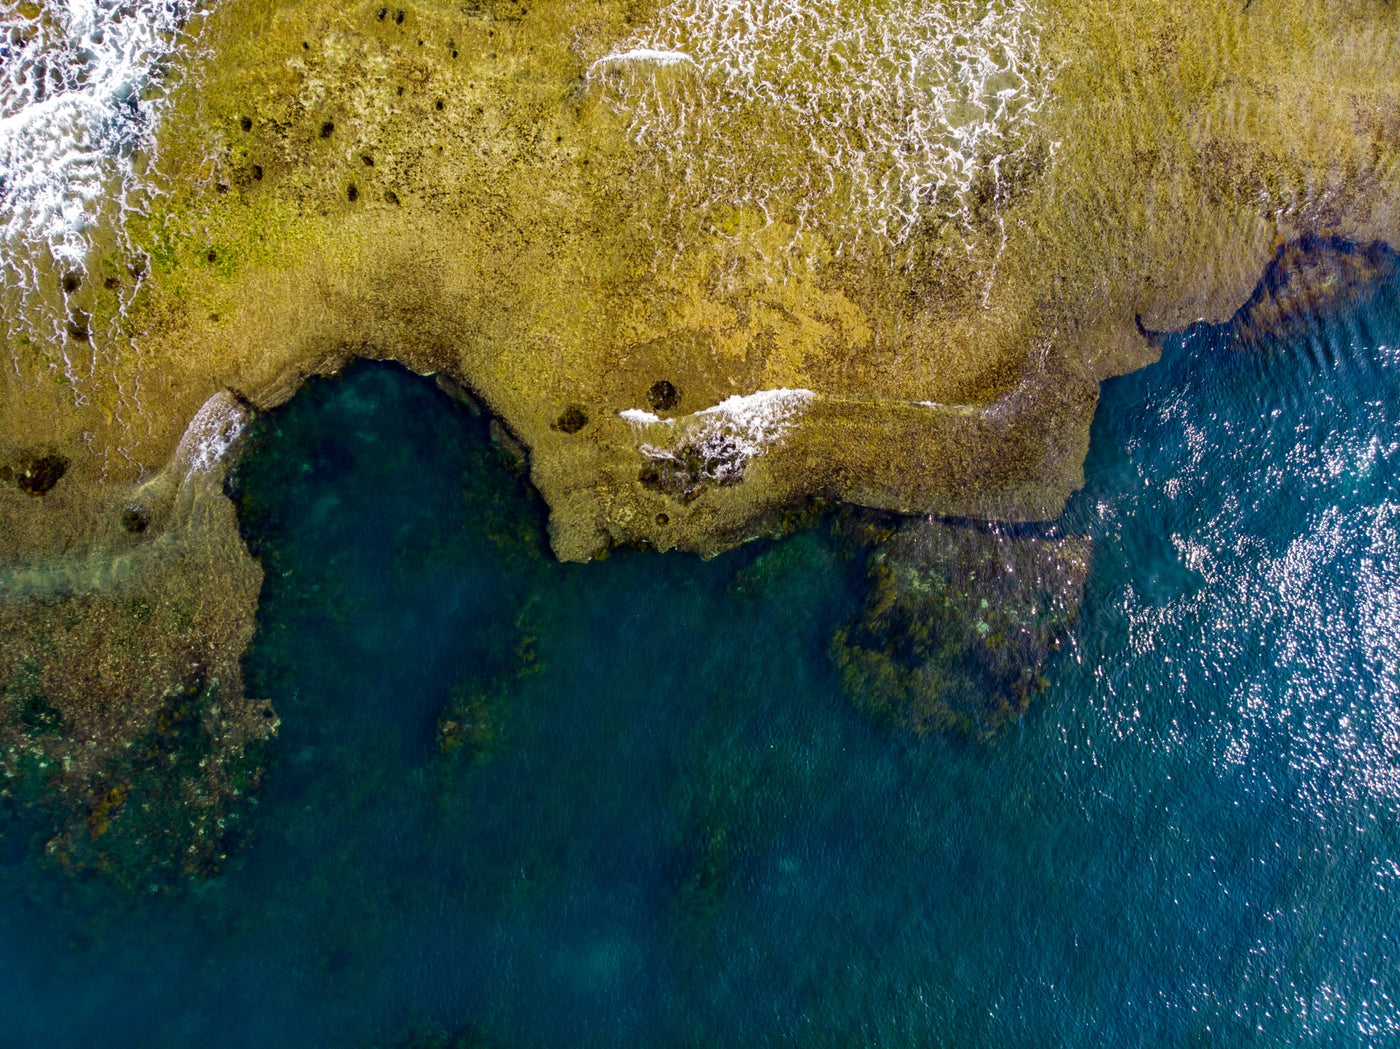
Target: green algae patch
958, 625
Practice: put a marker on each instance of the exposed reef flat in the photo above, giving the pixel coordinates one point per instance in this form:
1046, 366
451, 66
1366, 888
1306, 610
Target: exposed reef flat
702, 263
563, 205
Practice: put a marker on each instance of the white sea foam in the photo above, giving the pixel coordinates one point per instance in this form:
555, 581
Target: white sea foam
638, 417
78, 82
211, 433
759, 419
852, 117
641, 54
725, 436
71, 108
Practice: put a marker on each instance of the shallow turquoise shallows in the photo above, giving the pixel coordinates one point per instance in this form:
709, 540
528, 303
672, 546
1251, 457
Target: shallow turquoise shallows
649, 817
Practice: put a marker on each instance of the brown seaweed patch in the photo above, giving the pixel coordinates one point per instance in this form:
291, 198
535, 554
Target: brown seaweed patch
958, 624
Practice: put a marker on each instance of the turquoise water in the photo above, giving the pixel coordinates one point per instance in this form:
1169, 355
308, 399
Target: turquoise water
658, 821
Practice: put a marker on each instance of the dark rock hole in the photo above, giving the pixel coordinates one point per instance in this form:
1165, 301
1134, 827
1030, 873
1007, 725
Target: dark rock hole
134, 520
351, 193
35, 475
663, 395
573, 419
328, 129
246, 123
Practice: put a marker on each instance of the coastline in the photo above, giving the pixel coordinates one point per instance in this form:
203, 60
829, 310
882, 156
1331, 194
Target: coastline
456, 192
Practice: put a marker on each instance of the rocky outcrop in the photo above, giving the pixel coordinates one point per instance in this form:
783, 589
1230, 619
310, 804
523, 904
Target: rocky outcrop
577, 209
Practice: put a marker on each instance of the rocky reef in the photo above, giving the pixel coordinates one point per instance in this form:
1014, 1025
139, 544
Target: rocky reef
695, 266
958, 624
125, 734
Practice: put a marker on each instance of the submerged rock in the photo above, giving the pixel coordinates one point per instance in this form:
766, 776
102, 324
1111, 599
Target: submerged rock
123, 721
958, 625
1308, 279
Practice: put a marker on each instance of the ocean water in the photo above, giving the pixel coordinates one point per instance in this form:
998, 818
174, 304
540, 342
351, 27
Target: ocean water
657, 821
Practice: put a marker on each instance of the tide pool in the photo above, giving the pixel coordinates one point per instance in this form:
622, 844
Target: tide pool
521, 803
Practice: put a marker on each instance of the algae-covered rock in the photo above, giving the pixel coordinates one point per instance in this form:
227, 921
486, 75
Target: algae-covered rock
958, 625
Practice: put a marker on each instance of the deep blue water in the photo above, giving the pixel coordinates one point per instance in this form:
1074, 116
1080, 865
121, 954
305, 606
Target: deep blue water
672, 829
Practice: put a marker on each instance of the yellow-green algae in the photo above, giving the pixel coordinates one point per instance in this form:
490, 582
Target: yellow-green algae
466, 189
